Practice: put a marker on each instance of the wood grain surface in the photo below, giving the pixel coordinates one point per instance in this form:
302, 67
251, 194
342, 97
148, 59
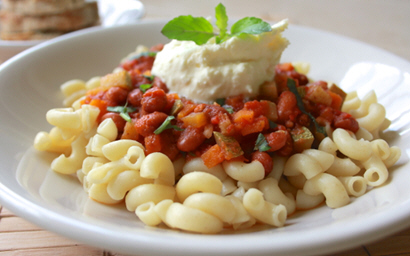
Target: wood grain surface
20, 237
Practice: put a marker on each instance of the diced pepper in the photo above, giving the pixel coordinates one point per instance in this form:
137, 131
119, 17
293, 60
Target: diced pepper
196, 120
243, 116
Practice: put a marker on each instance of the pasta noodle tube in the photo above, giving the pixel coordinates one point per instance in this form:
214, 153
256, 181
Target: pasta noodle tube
131, 161
194, 220
147, 214
45, 142
245, 172
108, 129
161, 208
340, 166
197, 165
216, 205
70, 165
123, 182
242, 218
147, 193
115, 150
381, 148
351, 102
325, 159
89, 115
64, 118
89, 162
343, 167
374, 118
98, 192
305, 201
365, 103
72, 86
394, 156
332, 188
376, 172
355, 185
273, 194
194, 182
302, 164
355, 149
262, 210
159, 167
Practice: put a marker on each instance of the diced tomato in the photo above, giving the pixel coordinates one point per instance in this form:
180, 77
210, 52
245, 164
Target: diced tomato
260, 123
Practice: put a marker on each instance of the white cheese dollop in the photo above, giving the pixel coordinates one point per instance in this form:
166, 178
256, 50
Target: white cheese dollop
236, 66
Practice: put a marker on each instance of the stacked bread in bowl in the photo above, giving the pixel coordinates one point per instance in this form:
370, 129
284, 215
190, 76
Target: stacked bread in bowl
45, 19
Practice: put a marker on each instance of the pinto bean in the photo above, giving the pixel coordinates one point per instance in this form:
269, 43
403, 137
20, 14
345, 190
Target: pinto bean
265, 159
135, 97
190, 139
157, 82
147, 124
116, 94
154, 99
118, 120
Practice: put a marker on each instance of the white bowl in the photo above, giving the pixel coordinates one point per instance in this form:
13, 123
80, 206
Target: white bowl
29, 86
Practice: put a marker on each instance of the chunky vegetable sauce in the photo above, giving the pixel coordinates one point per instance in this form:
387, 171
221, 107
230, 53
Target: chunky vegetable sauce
289, 115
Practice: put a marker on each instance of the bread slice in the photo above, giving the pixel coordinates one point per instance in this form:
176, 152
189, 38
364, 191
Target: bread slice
41, 7
63, 22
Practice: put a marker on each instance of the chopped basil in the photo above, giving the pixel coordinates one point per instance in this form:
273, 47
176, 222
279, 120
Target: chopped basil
151, 78
220, 101
228, 108
261, 143
272, 124
292, 87
221, 22
123, 110
145, 87
167, 125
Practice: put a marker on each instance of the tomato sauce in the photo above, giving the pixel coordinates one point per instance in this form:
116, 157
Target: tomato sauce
227, 129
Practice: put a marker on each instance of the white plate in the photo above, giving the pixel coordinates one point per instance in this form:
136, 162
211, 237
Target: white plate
29, 86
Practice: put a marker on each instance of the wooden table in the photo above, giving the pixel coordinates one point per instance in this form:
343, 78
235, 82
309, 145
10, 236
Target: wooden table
378, 22
19, 237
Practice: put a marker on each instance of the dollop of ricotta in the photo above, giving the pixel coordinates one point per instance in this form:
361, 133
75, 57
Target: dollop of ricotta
239, 65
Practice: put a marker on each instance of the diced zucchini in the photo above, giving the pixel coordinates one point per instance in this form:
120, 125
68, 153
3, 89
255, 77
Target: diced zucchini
178, 106
272, 114
302, 139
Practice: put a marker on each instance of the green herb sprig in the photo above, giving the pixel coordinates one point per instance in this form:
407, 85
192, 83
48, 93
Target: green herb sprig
200, 30
292, 87
123, 110
167, 125
261, 143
